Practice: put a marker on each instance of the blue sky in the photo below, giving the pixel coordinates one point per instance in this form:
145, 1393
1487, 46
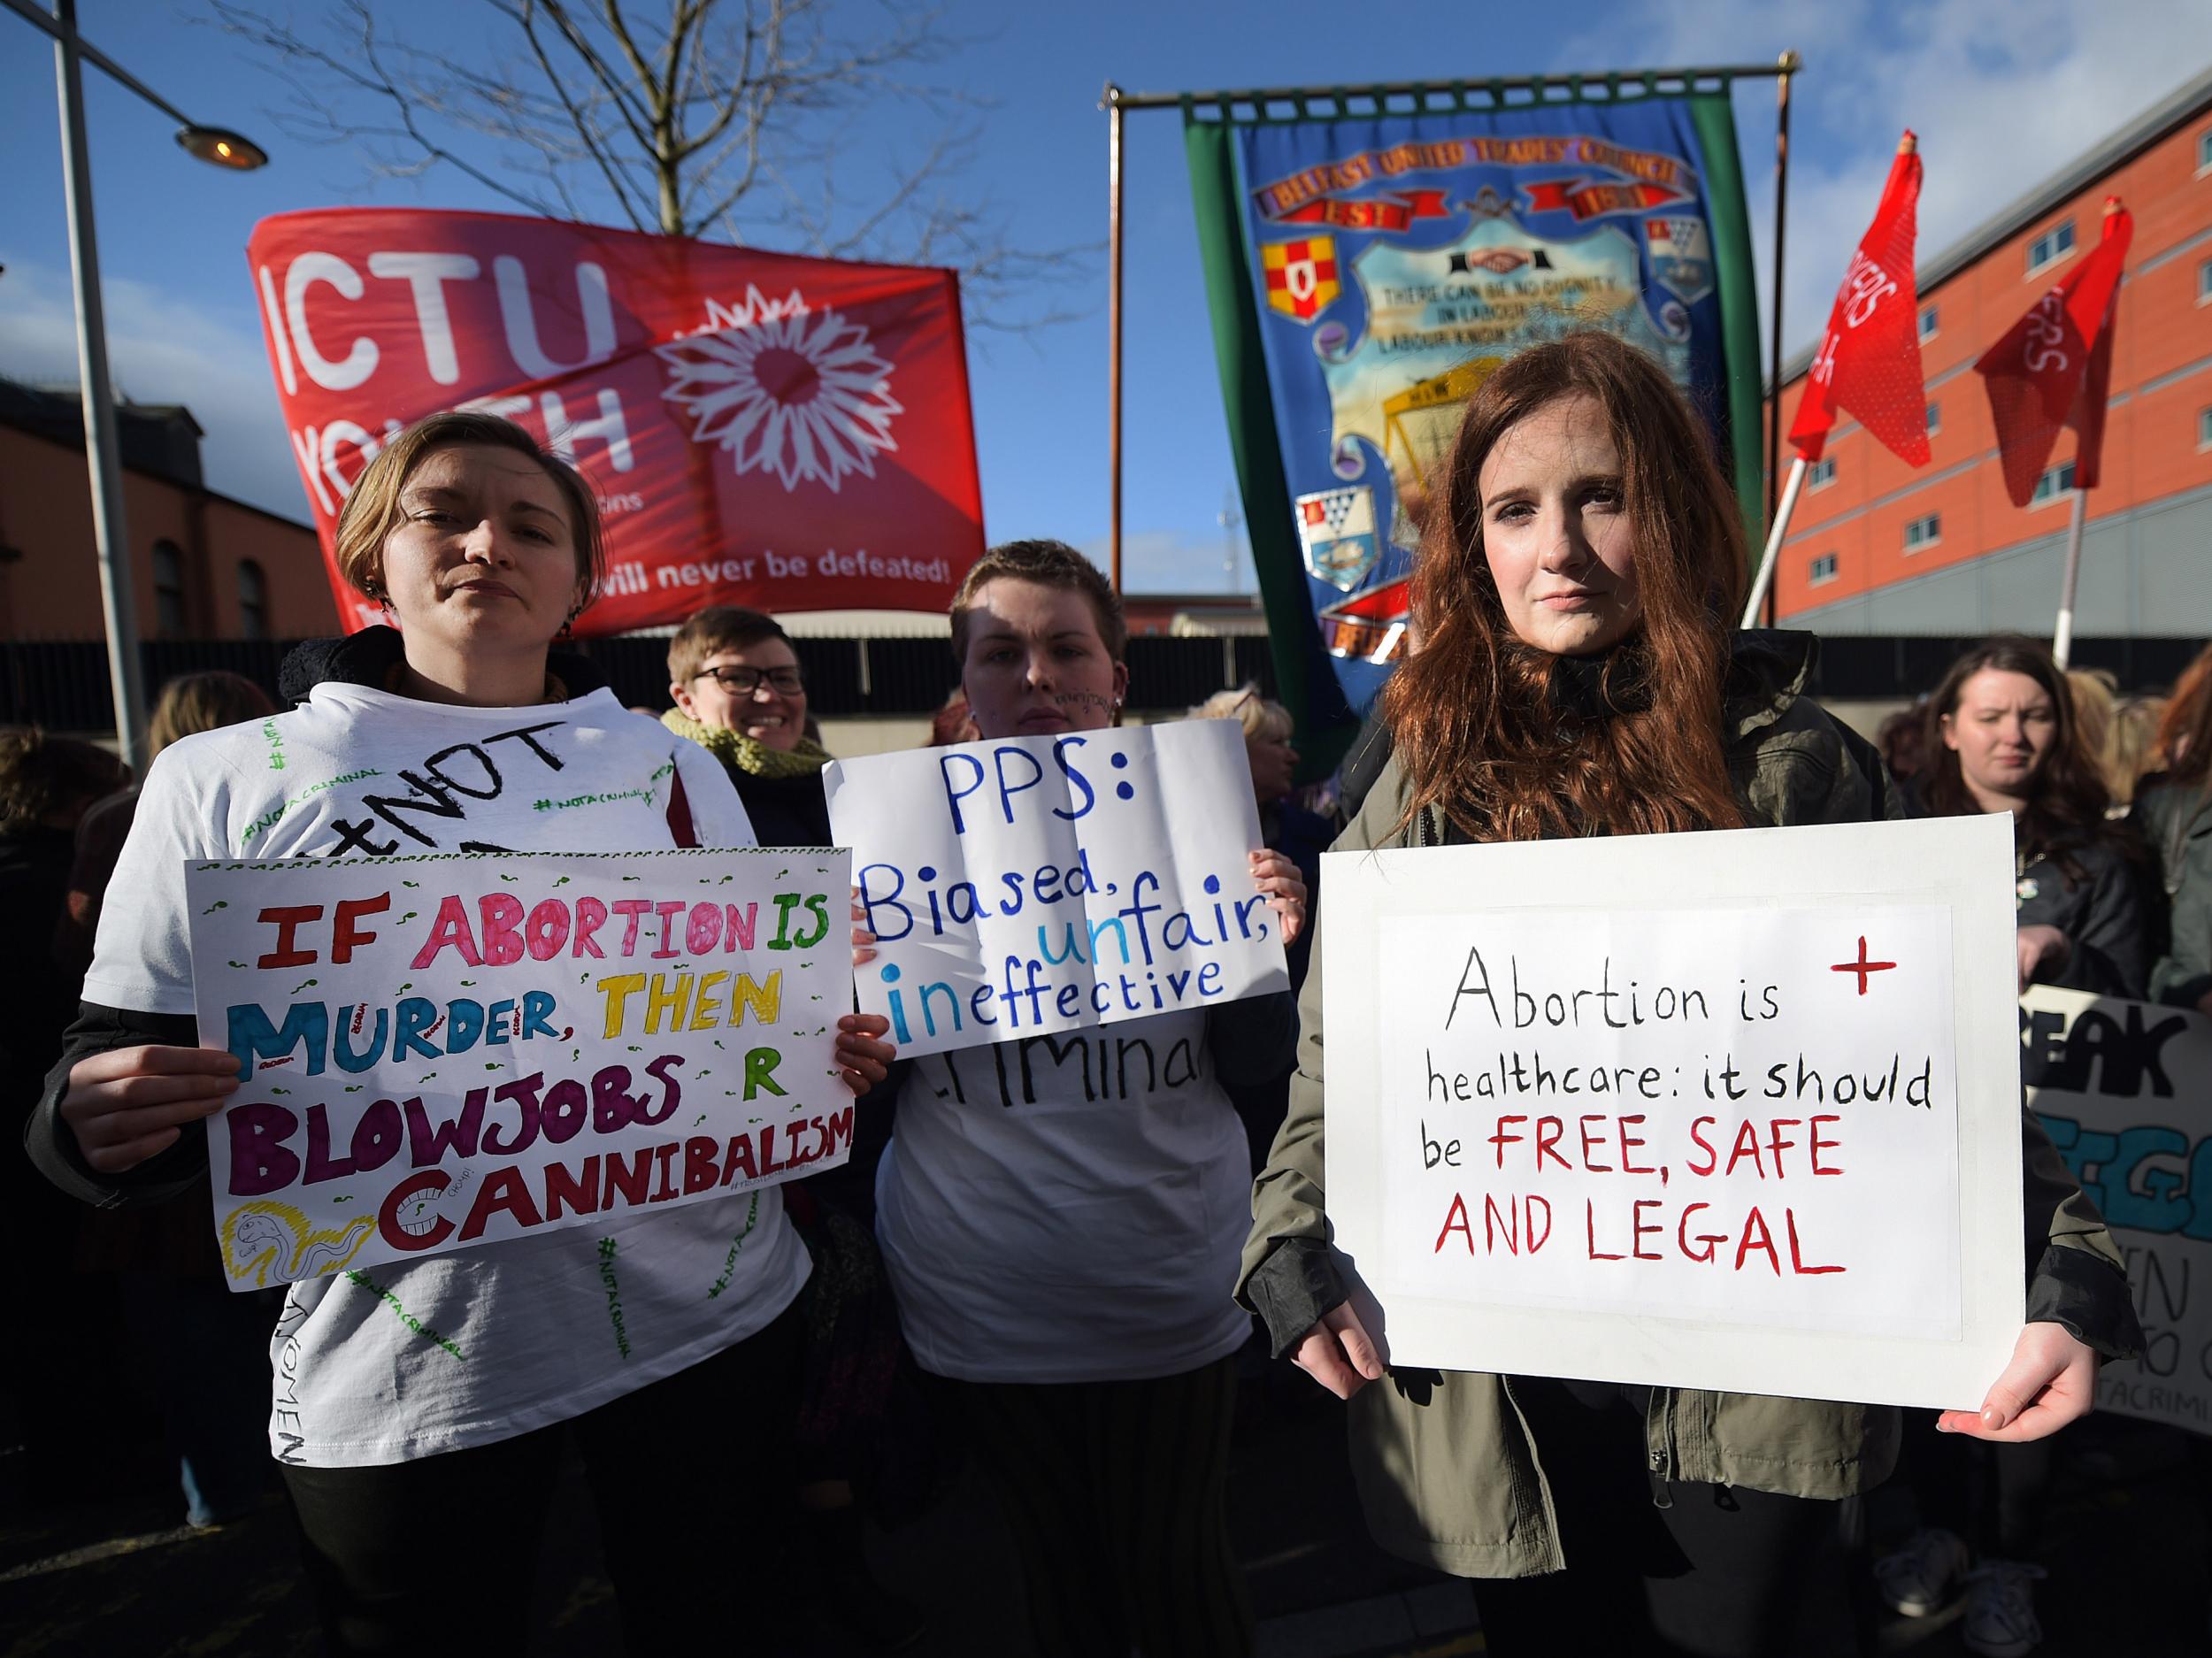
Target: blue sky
2003, 92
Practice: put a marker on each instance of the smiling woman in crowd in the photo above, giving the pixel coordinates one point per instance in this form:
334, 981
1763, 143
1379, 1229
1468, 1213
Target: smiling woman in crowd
1580, 676
422, 1411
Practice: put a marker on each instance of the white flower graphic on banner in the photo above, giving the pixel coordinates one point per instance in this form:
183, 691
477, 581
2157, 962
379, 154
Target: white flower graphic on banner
784, 390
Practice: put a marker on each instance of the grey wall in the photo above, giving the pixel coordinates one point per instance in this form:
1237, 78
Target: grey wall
2145, 572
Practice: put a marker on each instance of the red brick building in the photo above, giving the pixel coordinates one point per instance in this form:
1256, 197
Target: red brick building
203, 565
1878, 547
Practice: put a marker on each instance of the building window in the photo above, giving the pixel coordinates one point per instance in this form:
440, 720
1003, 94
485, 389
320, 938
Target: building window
1927, 322
169, 621
2204, 282
2204, 151
1924, 532
2052, 246
2204, 428
1821, 473
1823, 569
253, 600
2055, 481
1935, 418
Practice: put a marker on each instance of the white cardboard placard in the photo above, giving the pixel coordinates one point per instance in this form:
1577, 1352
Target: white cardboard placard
1044, 884
446, 1052
1736, 1111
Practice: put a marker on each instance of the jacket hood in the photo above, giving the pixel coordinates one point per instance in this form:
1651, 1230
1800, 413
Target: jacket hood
369, 657
1768, 669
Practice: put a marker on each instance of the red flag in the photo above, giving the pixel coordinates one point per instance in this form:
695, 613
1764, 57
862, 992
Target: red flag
763, 430
1868, 361
2053, 368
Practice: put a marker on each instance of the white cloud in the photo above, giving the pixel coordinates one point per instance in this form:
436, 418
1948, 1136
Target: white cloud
2002, 93
160, 351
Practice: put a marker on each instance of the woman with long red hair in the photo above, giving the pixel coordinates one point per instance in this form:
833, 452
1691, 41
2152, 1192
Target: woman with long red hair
1580, 676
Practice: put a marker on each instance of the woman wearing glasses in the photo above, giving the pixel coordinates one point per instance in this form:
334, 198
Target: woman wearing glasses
738, 696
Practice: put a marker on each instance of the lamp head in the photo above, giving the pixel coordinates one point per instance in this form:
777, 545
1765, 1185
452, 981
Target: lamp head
222, 147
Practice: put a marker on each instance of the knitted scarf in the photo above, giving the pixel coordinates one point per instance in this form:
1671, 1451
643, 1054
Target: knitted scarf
739, 753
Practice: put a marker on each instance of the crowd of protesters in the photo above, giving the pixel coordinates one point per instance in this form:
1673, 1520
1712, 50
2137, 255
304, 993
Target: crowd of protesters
1576, 674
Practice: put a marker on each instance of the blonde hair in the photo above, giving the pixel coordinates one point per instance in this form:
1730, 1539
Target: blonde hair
2095, 690
2132, 745
202, 701
372, 509
1264, 721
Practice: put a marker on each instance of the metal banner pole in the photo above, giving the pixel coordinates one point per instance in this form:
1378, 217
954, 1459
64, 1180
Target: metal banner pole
1113, 326
2063, 635
103, 455
1763, 584
1787, 65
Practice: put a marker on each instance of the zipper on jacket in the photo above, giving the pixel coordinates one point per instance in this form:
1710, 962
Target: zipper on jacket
1659, 1445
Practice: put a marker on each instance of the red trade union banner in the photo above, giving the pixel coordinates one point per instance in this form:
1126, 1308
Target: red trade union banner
2054, 367
761, 429
1869, 360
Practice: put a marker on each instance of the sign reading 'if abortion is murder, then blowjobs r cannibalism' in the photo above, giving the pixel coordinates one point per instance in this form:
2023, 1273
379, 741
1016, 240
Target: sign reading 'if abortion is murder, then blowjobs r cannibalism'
449, 1052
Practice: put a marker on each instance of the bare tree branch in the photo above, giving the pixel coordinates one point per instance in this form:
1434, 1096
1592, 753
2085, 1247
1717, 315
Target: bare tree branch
690, 118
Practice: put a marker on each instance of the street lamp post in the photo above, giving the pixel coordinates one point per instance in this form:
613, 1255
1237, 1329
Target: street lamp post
103, 455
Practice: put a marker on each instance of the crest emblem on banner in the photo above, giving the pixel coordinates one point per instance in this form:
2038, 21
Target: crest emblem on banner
1301, 278
1681, 257
1336, 527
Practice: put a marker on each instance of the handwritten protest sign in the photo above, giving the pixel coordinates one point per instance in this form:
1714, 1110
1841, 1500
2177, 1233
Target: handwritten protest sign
1734, 1110
442, 1053
1046, 884
2126, 1090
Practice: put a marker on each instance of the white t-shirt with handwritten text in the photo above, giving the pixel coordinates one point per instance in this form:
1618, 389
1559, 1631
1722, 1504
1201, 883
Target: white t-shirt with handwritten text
406, 1361
1068, 1208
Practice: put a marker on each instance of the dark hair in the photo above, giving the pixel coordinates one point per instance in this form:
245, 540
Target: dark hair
40, 776
2067, 796
1048, 565
717, 628
371, 508
1470, 712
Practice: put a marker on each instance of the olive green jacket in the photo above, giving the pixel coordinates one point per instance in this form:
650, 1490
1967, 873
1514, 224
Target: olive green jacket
1445, 1467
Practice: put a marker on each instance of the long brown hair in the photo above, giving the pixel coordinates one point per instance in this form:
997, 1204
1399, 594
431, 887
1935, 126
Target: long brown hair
2185, 735
1472, 713
2067, 798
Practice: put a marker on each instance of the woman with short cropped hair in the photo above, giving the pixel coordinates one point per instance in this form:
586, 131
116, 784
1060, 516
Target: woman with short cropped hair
421, 1411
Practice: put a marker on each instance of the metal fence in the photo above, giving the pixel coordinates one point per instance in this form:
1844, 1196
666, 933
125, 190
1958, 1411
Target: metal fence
62, 686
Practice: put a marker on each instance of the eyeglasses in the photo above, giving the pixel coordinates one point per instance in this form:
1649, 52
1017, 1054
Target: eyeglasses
742, 681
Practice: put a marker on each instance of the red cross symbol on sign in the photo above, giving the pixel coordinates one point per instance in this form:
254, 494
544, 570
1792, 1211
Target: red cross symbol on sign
1861, 967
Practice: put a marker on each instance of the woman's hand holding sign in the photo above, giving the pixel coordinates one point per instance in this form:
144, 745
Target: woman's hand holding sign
1277, 877
2051, 1381
125, 1106
862, 1058
1338, 1353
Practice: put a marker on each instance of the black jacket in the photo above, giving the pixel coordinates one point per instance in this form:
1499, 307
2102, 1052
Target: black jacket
786, 812
2105, 909
2176, 819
